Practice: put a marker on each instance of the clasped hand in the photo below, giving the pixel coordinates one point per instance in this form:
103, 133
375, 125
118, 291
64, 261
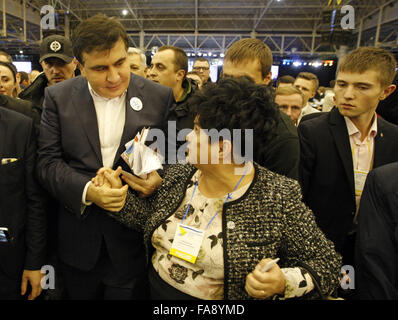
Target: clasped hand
107, 190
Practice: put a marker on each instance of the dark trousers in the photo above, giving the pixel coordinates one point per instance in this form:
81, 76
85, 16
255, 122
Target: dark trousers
348, 255
102, 282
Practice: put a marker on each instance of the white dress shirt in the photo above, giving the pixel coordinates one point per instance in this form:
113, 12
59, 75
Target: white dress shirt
111, 117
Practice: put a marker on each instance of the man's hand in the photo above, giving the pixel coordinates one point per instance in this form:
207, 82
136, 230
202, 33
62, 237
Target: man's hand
145, 187
34, 277
262, 285
106, 197
108, 177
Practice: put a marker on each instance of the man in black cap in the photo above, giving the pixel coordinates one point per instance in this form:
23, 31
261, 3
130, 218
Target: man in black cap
58, 63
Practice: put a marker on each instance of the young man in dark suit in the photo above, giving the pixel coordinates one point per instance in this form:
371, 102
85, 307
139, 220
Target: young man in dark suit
86, 122
21, 208
339, 148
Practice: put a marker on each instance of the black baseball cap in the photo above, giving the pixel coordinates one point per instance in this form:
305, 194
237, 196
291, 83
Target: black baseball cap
56, 46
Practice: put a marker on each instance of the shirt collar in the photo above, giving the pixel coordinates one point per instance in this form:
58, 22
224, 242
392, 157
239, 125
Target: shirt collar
352, 129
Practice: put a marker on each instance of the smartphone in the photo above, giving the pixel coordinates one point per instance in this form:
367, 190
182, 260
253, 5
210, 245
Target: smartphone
4, 235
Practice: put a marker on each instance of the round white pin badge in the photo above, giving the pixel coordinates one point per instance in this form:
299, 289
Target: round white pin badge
231, 225
136, 104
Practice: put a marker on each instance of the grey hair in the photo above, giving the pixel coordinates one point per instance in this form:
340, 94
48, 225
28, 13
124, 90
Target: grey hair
132, 50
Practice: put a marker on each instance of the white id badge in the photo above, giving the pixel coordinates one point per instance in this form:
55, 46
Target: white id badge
360, 179
187, 242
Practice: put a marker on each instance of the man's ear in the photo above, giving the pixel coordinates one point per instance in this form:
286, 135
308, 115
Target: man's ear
267, 78
180, 75
81, 67
74, 63
387, 91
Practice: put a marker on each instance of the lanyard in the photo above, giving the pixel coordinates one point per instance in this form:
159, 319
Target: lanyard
226, 200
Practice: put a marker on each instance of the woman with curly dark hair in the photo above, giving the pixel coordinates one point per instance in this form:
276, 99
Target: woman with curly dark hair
215, 227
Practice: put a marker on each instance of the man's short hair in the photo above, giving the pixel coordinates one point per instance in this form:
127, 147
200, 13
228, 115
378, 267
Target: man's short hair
201, 59
288, 91
370, 58
285, 79
250, 49
180, 58
309, 76
24, 76
98, 33
5, 54
132, 50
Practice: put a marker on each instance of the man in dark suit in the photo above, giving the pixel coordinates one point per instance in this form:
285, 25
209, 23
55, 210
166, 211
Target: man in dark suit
86, 123
376, 255
25, 107
339, 148
21, 208
253, 58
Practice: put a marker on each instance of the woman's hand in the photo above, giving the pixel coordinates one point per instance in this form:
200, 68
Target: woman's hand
145, 187
262, 285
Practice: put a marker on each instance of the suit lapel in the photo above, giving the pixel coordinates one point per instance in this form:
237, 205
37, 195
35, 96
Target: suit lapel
132, 119
340, 134
85, 110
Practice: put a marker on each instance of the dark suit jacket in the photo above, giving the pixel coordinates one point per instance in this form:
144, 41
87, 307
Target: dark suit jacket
70, 154
283, 152
22, 106
376, 273
326, 169
21, 202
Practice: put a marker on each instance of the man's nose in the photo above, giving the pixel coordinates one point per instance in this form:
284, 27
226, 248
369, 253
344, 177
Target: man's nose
113, 75
54, 69
349, 92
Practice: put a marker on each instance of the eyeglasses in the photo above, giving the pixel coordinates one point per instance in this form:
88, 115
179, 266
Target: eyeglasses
200, 68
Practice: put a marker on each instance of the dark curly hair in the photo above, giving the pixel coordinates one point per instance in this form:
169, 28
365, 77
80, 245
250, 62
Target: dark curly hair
238, 103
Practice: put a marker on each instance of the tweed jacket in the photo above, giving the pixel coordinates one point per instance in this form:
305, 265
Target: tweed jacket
269, 221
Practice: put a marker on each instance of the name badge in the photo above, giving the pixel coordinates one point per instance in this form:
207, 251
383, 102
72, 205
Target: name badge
359, 179
187, 242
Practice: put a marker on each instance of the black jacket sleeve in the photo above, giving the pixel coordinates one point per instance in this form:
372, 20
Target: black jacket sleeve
377, 237
36, 221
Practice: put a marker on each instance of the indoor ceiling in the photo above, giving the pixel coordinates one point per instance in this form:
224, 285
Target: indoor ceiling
287, 26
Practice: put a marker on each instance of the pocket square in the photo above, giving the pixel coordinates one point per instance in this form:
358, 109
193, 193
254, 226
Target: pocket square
8, 160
